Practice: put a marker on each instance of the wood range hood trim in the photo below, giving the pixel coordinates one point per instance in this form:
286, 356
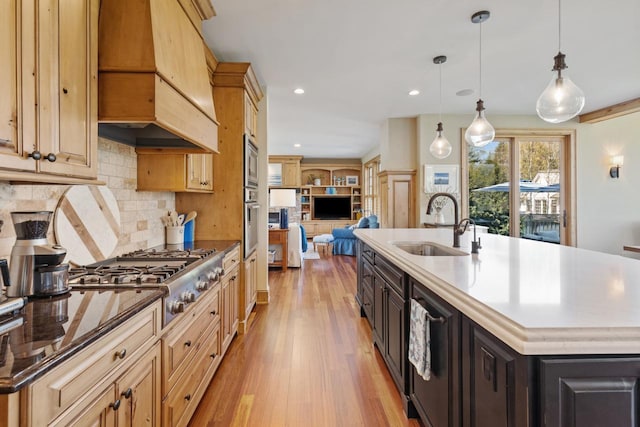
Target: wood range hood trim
153, 70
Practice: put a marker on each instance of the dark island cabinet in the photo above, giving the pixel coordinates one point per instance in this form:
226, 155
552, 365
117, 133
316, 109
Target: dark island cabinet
381, 293
367, 291
479, 381
437, 401
495, 381
379, 290
395, 332
590, 392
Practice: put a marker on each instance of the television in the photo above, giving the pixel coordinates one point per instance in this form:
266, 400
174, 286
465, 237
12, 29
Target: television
332, 207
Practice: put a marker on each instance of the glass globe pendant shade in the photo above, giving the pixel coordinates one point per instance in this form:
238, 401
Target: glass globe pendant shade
562, 99
440, 148
480, 132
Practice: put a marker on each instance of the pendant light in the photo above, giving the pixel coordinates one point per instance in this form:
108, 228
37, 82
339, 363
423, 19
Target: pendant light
440, 148
562, 99
480, 132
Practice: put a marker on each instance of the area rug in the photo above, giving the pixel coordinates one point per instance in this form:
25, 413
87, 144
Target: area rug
310, 254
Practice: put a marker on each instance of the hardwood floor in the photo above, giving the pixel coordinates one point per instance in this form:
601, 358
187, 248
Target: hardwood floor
308, 359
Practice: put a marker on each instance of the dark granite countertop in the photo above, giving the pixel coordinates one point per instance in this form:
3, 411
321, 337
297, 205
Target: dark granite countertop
47, 331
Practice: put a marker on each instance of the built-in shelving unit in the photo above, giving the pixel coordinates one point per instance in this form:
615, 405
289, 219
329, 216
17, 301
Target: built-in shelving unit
319, 179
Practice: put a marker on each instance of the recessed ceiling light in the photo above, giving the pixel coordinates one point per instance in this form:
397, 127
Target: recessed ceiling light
414, 92
464, 92
298, 91
297, 145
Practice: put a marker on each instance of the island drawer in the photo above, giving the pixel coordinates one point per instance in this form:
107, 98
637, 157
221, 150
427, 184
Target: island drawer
392, 274
367, 252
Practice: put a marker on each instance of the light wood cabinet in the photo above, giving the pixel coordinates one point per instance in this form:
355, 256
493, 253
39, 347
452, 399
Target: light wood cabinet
289, 171
133, 400
248, 291
190, 356
48, 113
87, 386
397, 199
250, 116
179, 170
315, 228
200, 171
230, 298
96, 410
139, 392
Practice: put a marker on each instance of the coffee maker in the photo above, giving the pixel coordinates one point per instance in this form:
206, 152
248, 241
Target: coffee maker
35, 266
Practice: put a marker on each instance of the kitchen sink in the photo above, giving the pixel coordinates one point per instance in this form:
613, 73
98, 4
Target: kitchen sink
427, 249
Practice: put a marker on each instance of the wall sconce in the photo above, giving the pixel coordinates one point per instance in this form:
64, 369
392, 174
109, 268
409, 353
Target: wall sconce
617, 162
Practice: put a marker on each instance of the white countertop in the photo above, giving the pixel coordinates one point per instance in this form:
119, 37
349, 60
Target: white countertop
539, 298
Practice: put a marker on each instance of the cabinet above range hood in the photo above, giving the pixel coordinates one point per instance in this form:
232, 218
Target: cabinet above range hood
154, 86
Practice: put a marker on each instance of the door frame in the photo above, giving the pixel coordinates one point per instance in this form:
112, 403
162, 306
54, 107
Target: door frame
567, 179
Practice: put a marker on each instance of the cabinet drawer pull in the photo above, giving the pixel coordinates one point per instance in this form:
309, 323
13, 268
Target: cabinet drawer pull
429, 316
121, 354
187, 397
5, 141
188, 343
127, 393
115, 405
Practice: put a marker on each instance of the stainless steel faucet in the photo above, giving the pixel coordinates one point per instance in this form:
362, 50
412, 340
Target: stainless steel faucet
456, 234
462, 227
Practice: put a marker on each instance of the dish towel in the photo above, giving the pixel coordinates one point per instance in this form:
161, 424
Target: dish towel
419, 340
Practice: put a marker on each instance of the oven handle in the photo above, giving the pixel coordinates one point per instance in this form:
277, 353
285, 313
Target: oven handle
254, 206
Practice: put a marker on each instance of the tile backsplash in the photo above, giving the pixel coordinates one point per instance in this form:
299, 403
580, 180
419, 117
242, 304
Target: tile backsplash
140, 211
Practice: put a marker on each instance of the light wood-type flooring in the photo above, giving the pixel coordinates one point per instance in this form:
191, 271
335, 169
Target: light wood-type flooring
307, 360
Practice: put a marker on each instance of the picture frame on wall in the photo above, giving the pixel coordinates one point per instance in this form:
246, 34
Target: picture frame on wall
352, 179
441, 177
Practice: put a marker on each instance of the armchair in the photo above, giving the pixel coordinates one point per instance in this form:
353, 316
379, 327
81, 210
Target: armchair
344, 241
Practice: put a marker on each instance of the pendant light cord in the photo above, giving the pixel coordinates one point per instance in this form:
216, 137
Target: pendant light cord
440, 101
480, 65
559, 26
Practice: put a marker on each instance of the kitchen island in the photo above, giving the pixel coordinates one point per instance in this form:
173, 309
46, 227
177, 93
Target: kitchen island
525, 333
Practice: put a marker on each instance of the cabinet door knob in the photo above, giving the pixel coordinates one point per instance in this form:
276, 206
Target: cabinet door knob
213, 313
121, 354
188, 343
127, 393
213, 355
36, 155
51, 157
115, 405
187, 397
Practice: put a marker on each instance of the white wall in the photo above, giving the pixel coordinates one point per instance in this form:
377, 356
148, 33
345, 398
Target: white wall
608, 210
398, 146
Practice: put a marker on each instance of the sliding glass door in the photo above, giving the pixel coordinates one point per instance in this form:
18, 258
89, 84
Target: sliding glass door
520, 185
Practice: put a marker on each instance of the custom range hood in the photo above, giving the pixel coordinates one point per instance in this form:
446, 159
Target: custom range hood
154, 87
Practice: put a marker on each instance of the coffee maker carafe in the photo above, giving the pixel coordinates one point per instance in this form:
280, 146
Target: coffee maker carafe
35, 266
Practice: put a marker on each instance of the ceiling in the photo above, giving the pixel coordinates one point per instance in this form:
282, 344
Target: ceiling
358, 59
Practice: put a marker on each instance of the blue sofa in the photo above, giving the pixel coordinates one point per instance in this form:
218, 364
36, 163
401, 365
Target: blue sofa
344, 241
